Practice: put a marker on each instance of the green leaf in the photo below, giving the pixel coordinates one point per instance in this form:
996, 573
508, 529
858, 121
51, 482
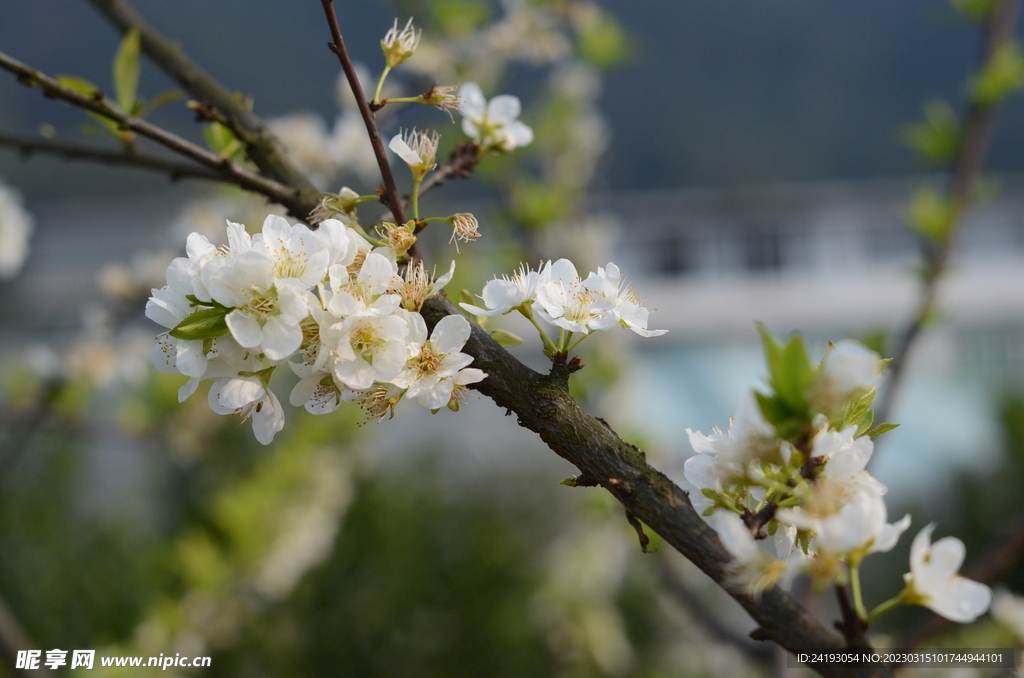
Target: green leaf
80, 85
506, 338
773, 409
880, 429
976, 10
126, 70
161, 99
854, 410
602, 41
206, 323
1002, 74
223, 141
570, 481
709, 493
709, 511
939, 137
790, 371
459, 17
931, 214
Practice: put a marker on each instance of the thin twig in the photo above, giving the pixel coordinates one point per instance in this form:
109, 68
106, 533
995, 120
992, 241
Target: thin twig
709, 619
14, 639
262, 147
394, 203
97, 103
25, 427
966, 169
27, 146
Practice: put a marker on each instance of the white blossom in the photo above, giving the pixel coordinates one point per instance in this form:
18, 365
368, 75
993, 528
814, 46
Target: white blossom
752, 568
436, 366
15, 229
247, 397
266, 312
749, 438
399, 45
504, 294
417, 149
855, 530
934, 583
610, 284
848, 369
566, 302
494, 124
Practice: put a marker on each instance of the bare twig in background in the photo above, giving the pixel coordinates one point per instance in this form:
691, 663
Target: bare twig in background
261, 146
97, 103
28, 146
966, 169
22, 429
394, 203
709, 620
13, 639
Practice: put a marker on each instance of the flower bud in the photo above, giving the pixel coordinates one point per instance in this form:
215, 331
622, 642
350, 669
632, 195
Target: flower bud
400, 45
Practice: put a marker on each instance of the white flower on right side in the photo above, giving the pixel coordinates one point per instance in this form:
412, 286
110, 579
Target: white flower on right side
609, 283
504, 294
934, 583
494, 124
566, 302
15, 229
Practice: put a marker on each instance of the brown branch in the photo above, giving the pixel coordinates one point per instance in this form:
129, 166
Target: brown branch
461, 164
98, 103
394, 203
543, 405
262, 147
966, 169
28, 146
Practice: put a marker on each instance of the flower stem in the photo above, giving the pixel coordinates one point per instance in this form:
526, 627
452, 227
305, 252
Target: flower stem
858, 601
576, 343
415, 197
887, 605
380, 84
403, 100
561, 340
528, 313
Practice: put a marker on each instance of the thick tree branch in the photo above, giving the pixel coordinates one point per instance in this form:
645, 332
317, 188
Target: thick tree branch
543, 405
97, 103
261, 146
28, 146
966, 169
394, 203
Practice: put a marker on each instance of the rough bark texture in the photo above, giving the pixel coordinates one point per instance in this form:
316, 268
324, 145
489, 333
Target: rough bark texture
262, 147
542, 404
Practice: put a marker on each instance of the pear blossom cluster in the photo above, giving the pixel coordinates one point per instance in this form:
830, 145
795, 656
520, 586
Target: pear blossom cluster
564, 300
326, 303
793, 467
